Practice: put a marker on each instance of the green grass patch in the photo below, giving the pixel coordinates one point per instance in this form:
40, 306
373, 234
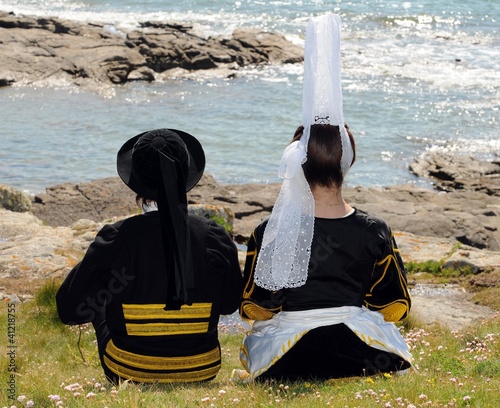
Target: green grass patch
432, 267
55, 363
220, 220
438, 269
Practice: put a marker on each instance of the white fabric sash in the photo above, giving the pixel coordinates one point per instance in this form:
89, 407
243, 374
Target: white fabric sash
269, 340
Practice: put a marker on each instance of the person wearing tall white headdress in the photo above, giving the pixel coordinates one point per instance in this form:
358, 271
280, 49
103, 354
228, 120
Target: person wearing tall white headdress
324, 281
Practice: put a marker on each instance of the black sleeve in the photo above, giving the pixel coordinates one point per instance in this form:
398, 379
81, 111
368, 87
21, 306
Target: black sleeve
85, 290
388, 292
257, 303
222, 255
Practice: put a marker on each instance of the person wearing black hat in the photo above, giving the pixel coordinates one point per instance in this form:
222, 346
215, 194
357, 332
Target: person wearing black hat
155, 284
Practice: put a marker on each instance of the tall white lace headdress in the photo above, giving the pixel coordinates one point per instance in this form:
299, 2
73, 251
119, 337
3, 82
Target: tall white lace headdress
283, 259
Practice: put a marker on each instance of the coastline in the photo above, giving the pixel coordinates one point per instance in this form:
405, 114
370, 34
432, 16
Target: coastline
457, 222
37, 50
464, 205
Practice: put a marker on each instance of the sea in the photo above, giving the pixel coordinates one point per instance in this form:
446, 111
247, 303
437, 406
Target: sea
417, 76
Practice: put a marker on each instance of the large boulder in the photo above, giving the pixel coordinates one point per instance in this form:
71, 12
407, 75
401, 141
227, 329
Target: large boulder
471, 218
31, 252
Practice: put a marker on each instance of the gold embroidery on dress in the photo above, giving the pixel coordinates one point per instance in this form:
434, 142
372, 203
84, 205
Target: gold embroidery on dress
161, 363
156, 311
165, 329
164, 323
141, 376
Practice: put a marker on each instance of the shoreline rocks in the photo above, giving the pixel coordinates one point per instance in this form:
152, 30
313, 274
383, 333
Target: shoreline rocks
467, 217
38, 50
460, 228
14, 200
454, 173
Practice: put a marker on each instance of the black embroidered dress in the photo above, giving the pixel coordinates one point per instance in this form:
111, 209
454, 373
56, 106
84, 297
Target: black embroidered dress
355, 265
121, 284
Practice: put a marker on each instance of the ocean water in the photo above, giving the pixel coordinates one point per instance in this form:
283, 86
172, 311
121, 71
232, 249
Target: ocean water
416, 76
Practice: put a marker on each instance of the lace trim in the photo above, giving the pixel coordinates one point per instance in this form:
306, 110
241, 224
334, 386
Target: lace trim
283, 260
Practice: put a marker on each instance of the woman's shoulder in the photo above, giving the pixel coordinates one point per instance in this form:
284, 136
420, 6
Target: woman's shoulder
209, 230
201, 225
136, 220
371, 222
367, 220
366, 217
132, 228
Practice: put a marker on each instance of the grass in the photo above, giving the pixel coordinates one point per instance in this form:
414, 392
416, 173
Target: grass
438, 269
223, 223
58, 365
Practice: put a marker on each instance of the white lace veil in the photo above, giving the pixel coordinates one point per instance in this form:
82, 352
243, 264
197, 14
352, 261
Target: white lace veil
283, 259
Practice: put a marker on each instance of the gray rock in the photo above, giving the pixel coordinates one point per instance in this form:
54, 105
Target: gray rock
31, 252
447, 305
37, 50
65, 204
14, 200
453, 172
471, 218
222, 215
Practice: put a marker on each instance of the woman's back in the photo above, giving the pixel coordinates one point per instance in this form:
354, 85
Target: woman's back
343, 255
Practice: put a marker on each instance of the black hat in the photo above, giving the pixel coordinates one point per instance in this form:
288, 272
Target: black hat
163, 165
138, 161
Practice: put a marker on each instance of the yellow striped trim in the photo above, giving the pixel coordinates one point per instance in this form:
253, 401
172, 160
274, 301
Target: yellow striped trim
141, 376
165, 329
156, 311
162, 363
250, 257
387, 261
252, 311
394, 312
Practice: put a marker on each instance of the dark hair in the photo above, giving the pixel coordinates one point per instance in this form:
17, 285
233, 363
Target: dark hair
324, 153
143, 203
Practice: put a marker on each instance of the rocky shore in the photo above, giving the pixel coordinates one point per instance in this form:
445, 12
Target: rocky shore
467, 213
44, 236
39, 50
428, 222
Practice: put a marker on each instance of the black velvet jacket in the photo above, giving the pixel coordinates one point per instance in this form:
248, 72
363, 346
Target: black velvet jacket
354, 262
123, 275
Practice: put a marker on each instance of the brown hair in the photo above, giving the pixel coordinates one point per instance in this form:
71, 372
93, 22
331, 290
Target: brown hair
324, 153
